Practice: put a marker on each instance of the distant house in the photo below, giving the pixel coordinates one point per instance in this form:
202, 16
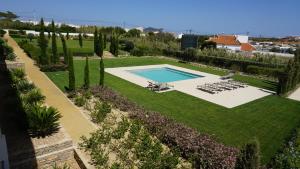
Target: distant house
154, 30
233, 42
189, 41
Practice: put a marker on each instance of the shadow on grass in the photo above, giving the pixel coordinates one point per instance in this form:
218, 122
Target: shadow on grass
270, 85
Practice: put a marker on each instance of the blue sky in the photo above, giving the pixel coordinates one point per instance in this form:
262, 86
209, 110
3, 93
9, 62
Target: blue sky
259, 17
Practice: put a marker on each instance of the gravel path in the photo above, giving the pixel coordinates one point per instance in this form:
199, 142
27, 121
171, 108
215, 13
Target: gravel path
73, 120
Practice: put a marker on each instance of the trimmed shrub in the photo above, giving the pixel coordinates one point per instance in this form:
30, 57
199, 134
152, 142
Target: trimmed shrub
274, 72
11, 57
219, 58
53, 67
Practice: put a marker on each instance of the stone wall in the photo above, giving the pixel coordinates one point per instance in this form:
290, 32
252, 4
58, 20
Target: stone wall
55, 149
17, 64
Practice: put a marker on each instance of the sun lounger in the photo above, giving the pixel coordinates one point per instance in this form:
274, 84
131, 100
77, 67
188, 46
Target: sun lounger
205, 89
161, 86
230, 75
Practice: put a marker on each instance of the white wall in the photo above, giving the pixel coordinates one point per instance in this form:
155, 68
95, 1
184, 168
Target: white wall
37, 33
229, 47
242, 38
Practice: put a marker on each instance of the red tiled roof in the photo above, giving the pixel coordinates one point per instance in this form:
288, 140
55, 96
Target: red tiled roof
247, 47
226, 40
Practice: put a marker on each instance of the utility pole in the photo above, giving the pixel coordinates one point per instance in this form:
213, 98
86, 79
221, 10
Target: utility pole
124, 25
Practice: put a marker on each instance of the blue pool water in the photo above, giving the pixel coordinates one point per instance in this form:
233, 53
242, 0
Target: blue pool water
164, 74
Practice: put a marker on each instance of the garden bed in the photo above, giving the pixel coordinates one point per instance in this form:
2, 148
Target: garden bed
121, 141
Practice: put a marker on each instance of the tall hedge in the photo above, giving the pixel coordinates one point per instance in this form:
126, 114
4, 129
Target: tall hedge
86, 74
290, 78
43, 44
54, 58
71, 71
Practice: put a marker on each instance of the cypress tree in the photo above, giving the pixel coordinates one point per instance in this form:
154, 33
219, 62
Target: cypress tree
49, 35
100, 45
54, 58
296, 78
68, 36
96, 44
249, 157
290, 73
104, 41
114, 45
63, 41
101, 82
71, 72
86, 74
43, 44
80, 40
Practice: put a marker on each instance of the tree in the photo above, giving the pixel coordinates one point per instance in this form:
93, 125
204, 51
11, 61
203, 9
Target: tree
249, 157
114, 45
71, 72
49, 35
43, 44
86, 74
289, 79
54, 58
208, 45
80, 40
296, 76
100, 45
63, 41
101, 82
104, 41
133, 33
96, 43
68, 36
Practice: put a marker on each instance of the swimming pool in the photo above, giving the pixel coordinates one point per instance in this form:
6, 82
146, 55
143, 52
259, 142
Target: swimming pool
164, 74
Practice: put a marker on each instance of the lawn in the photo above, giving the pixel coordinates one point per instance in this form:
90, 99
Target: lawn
88, 45
270, 119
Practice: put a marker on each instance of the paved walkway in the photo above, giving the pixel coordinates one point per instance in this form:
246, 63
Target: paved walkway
295, 95
74, 122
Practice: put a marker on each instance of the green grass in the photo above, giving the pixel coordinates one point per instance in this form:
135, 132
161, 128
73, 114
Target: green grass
270, 119
88, 45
